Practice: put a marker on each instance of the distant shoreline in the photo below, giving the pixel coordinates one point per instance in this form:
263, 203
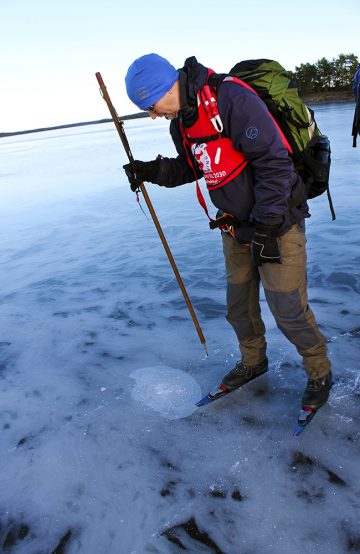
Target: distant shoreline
328, 97
67, 125
313, 98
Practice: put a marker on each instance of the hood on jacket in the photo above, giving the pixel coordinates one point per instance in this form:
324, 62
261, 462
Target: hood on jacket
193, 77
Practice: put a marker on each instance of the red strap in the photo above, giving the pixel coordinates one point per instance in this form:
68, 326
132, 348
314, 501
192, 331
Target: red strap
199, 194
201, 200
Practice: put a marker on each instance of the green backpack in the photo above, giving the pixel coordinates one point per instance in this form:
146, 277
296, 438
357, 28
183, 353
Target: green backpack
311, 149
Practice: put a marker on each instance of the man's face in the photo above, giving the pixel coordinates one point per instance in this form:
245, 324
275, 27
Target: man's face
168, 106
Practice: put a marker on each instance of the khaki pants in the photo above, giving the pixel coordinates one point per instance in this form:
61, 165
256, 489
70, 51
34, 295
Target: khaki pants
285, 289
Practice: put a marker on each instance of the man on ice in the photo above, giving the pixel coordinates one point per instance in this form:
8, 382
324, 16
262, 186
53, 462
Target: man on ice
228, 137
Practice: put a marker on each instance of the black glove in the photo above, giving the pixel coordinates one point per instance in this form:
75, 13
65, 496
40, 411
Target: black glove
141, 171
264, 245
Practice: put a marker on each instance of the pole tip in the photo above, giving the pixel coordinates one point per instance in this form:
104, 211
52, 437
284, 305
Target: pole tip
206, 352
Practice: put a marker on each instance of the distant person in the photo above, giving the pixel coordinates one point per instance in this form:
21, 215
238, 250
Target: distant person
356, 122
251, 178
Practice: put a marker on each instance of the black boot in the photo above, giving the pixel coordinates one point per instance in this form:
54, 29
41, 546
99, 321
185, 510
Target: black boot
317, 392
242, 374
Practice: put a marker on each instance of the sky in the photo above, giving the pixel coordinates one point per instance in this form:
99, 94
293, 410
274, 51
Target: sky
50, 51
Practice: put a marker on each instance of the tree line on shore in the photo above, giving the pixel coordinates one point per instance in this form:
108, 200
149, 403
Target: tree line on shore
325, 75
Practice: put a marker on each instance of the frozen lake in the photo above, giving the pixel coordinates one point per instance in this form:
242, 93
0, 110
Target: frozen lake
102, 449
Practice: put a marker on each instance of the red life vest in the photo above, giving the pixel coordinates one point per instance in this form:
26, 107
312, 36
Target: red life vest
215, 154
219, 161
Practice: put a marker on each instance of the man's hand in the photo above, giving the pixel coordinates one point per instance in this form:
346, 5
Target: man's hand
264, 245
141, 171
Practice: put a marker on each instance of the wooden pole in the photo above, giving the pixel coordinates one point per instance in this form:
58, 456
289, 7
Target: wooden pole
119, 126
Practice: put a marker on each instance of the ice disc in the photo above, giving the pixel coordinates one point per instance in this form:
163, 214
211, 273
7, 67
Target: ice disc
169, 391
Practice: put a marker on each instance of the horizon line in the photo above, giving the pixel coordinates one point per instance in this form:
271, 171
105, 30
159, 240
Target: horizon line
67, 125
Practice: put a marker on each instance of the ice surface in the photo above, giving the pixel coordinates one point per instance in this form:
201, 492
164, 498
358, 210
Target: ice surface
92, 318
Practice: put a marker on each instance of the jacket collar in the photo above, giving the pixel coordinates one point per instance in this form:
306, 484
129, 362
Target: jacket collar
193, 77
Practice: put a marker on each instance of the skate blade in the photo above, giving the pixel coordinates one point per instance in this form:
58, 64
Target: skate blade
304, 418
214, 394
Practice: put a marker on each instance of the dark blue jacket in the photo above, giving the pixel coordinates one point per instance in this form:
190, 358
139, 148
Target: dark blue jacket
356, 82
266, 188
356, 122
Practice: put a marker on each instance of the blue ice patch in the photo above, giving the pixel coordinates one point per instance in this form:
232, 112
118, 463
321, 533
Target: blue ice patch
252, 133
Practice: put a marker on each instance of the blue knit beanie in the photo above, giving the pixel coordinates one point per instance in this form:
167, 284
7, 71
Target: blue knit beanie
148, 79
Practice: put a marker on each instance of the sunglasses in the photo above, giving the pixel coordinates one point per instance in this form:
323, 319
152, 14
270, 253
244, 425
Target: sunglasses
151, 109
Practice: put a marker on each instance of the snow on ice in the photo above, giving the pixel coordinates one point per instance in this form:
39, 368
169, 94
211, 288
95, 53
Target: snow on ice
102, 450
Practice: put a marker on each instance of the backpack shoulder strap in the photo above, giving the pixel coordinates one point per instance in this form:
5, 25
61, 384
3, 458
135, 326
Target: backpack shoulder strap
215, 80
